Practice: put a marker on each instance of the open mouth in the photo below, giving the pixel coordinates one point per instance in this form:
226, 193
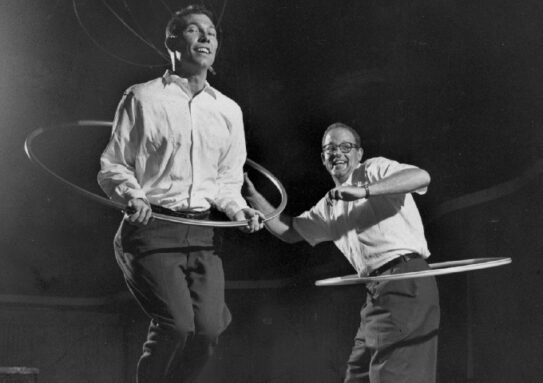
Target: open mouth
339, 163
203, 50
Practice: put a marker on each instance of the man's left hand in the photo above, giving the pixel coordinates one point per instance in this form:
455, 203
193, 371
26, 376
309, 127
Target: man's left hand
255, 219
346, 193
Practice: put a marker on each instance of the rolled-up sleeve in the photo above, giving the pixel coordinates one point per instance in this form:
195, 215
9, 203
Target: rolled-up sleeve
379, 167
117, 175
313, 226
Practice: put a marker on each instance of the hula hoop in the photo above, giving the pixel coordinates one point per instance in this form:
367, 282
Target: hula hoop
440, 268
117, 205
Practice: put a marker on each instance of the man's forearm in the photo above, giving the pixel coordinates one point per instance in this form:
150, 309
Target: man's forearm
405, 181
281, 226
257, 201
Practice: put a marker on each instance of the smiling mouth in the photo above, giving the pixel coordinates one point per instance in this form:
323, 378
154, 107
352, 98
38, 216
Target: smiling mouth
339, 163
206, 51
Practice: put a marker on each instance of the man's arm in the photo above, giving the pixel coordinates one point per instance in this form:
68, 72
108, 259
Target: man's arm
281, 226
402, 182
116, 176
230, 178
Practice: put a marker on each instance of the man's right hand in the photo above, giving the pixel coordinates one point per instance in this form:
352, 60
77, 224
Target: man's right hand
138, 211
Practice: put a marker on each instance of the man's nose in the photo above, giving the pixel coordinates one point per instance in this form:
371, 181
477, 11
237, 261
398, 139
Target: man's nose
204, 37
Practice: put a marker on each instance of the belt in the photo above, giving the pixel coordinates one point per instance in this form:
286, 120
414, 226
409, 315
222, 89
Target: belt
396, 261
181, 214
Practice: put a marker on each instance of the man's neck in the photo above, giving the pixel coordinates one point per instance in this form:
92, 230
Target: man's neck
342, 180
338, 182
196, 84
196, 81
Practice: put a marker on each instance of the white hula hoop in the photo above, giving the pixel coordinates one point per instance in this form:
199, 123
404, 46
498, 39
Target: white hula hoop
105, 201
440, 268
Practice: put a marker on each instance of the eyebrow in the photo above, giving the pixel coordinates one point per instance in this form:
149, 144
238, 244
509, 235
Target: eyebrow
196, 24
341, 143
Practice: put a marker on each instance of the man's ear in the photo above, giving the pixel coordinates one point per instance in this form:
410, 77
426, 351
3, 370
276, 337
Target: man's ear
323, 159
361, 154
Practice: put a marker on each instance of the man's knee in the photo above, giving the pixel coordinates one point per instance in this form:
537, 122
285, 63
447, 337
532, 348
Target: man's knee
209, 333
211, 326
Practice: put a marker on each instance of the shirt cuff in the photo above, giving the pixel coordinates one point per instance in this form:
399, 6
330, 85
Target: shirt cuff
298, 225
135, 193
231, 209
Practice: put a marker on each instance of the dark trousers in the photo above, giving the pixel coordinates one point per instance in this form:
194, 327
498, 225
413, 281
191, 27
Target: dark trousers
177, 277
398, 330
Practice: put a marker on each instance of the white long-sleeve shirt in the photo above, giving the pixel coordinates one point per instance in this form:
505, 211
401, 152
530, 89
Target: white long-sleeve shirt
175, 151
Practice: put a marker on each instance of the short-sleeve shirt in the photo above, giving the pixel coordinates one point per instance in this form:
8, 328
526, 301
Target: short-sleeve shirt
369, 232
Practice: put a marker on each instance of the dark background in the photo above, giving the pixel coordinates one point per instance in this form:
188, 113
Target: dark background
451, 86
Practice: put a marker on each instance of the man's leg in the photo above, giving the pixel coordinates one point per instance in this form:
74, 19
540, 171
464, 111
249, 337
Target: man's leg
402, 321
153, 261
205, 278
159, 352
358, 362
159, 285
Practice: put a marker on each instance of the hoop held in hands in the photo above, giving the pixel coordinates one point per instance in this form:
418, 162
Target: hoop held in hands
441, 268
117, 205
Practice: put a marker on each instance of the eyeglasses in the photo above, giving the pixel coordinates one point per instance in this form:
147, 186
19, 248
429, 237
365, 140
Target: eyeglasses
344, 147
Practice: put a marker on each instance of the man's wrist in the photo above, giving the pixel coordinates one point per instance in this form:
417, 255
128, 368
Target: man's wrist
144, 200
231, 209
253, 198
366, 187
258, 202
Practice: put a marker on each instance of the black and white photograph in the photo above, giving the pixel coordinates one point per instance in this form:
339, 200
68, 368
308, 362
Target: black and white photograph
271, 191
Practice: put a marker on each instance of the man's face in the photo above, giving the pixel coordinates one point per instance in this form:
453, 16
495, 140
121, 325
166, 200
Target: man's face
340, 165
198, 43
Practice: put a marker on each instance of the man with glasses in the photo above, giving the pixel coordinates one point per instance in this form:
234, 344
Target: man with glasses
372, 218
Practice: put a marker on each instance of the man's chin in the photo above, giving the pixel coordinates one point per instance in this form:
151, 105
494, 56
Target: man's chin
339, 174
340, 169
201, 65
205, 61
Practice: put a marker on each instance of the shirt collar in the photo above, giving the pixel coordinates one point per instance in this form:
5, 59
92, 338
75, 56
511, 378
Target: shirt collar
349, 180
169, 77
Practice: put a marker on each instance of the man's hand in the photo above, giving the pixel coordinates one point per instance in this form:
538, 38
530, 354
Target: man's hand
254, 217
138, 211
346, 193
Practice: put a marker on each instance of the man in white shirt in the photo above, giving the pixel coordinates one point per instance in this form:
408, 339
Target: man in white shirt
372, 218
177, 147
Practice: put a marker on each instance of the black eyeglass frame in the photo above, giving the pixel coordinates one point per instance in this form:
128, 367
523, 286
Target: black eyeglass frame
344, 147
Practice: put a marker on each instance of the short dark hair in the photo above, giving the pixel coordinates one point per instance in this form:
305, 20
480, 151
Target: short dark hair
176, 24
341, 125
